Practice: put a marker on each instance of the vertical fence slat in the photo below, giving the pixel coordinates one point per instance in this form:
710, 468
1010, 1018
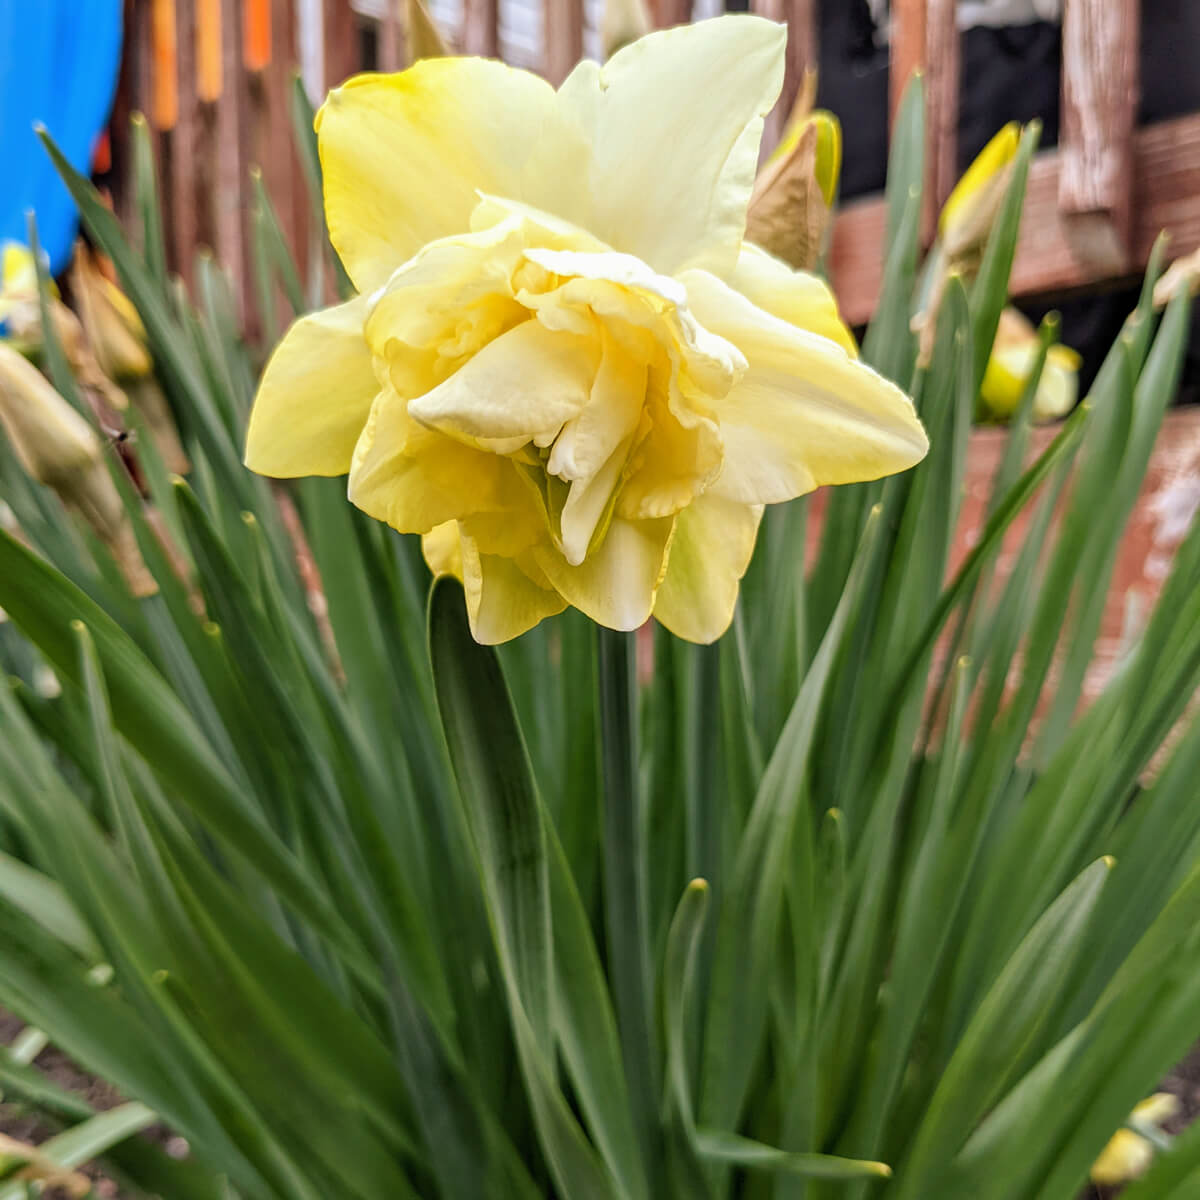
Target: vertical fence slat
391, 38
481, 27
184, 148
232, 176
908, 46
670, 12
801, 18
564, 38
942, 59
1099, 101
340, 41
925, 38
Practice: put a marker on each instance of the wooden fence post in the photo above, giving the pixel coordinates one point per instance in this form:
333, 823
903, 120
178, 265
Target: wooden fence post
670, 12
1099, 103
563, 32
481, 27
925, 37
339, 28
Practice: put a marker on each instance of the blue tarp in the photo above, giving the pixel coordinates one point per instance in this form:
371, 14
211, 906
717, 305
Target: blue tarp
59, 61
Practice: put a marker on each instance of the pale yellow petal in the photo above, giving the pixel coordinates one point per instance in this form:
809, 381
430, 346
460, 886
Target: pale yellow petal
314, 396
524, 386
676, 120
616, 584
406, 155
713, 543
798, 297
804, 414
415, 478
503, 602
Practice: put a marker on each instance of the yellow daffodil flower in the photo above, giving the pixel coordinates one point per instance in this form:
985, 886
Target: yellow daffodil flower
1129, 1153
1010, 365
562, 344
424, 40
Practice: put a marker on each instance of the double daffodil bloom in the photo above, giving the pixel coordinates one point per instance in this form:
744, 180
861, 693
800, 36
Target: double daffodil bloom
565, 364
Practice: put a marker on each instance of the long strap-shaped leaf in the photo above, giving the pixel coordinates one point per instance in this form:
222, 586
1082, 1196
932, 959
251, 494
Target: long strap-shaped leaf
506, 820
43, 603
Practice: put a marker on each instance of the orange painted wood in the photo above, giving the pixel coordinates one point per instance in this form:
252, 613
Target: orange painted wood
164, 104
670, 12
908, 46
256, 34
481, 27
1099, 105
1166, 195
801, 19
563, 32
209, 66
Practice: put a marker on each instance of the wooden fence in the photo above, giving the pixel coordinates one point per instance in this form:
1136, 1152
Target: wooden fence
213, 78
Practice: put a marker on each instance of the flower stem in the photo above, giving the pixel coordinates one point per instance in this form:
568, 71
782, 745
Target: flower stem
625, 916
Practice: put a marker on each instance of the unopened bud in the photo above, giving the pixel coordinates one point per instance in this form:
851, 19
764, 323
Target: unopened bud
58, 448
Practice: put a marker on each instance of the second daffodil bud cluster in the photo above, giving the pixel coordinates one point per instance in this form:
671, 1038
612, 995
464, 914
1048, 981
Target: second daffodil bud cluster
54, 443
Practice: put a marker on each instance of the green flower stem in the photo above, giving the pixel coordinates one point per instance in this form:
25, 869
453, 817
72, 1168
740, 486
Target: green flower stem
625, 916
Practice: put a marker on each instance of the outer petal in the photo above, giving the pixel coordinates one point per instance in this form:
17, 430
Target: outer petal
714, 540
406, 155
615, 585
314, 397
797, 297
502, 600
805, 414
676, 120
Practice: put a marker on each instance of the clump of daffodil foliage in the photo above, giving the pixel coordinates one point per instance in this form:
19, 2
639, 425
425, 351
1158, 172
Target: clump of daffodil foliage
824, 883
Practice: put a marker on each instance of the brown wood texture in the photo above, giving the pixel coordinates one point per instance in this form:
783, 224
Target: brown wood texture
801, 18
391, 38
1099, 105
563, 32
340, 41
670, 12
1166, 195
187, 210
481, 27
942, 58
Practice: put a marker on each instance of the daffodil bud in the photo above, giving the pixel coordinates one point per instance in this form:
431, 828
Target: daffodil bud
1182, 273
974, 203
116, 335
424, 40
792, 202
114, 330
1130, 1151
58, 448
624, 21
1014, 354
